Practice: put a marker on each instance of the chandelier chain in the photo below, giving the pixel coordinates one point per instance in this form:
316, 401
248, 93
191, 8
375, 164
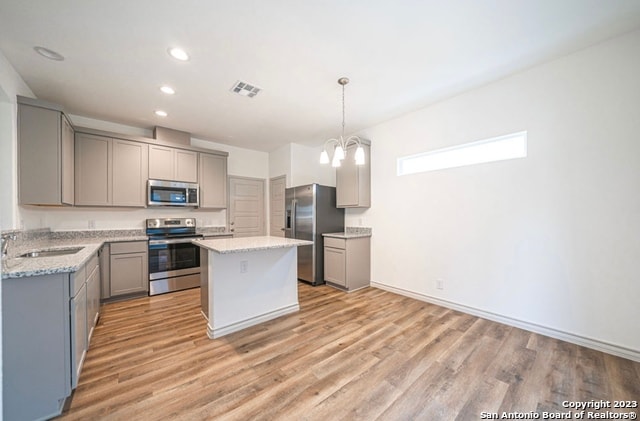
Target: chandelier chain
343, 111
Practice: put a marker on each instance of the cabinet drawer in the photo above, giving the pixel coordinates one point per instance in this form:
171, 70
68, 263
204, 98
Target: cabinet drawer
339, 243
129, 247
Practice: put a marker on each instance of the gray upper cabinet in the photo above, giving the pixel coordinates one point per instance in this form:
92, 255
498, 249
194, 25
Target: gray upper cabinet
45, 154
93, 170
130, 160
213, 181
110, 172
353, 182
166, 163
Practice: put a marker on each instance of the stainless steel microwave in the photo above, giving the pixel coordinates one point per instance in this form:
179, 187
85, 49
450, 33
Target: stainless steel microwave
172, 193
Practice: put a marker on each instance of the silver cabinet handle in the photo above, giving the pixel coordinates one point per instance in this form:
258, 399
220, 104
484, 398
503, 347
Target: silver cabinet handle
232, 223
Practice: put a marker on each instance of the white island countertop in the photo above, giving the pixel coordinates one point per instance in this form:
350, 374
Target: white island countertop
246, 244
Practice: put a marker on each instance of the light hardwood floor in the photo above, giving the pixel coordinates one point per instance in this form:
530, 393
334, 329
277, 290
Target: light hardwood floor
366, 355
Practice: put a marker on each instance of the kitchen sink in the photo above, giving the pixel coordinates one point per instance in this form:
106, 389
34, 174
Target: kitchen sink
51, 252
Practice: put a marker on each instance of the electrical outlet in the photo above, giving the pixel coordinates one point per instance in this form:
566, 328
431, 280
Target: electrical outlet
244, 266
440, 283
92, 224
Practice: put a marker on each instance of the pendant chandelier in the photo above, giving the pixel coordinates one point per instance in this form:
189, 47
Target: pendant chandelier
340, 145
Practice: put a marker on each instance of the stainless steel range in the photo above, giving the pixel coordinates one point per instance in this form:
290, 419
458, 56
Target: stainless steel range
174, 262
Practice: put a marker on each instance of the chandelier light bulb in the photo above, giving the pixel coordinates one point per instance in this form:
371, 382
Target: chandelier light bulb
338, 153
324, 157
359, 157
335, 162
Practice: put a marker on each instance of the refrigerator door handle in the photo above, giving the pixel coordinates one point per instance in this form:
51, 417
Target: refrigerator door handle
294, 216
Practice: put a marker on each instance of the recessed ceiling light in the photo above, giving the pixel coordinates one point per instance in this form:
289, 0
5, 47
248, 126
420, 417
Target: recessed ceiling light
167, 90
50, 54
161, 113
178, 54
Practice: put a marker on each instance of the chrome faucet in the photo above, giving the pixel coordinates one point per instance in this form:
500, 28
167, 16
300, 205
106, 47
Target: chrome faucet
5, 243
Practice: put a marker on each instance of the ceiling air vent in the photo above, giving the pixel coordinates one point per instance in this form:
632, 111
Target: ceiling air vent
245, 89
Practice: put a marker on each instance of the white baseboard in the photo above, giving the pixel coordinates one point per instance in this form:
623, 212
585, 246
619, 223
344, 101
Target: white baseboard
609, 348
217, 332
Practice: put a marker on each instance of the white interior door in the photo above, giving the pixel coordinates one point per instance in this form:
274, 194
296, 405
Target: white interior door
246, 206
277, 186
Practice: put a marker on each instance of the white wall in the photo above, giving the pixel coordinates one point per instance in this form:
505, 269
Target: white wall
550, 240
11, 84
301, 165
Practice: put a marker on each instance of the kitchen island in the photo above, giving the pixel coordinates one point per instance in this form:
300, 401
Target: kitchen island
246, 281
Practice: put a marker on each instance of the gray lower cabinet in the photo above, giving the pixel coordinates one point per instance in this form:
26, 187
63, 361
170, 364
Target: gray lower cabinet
347, 262
45, 338
129, 268
45, 154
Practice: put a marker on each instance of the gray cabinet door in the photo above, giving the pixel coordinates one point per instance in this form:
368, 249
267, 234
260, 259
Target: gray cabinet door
93, 301
129, 273
353, 182
347, 181
166, 163
213, 181
68, 162
78, 333
186, 166
130, 173
161, 162
45, 153
335, 266
93, 170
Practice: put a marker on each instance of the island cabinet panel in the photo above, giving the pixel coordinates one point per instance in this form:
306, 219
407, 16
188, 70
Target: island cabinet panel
110, 172
45, 155
129, 268
213, 181
173, 164
353, 182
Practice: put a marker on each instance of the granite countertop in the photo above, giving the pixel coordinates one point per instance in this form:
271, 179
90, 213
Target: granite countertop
350, 232
246, 244
91, 241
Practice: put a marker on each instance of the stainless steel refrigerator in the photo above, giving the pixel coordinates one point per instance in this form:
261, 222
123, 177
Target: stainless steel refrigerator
311, 211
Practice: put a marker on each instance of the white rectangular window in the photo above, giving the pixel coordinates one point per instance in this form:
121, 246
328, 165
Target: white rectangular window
495, 149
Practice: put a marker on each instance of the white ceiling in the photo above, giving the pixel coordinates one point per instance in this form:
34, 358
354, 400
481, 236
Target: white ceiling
400, 55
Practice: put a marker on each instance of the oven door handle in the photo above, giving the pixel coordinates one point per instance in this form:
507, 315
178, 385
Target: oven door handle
173, 241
